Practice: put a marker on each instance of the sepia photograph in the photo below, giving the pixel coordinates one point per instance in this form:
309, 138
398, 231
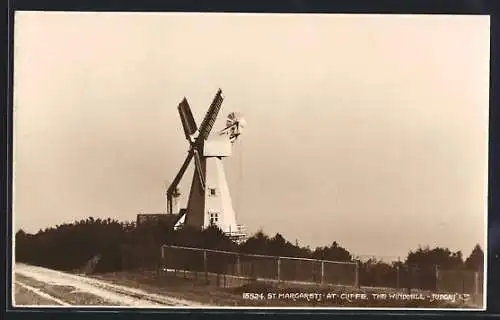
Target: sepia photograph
238, 160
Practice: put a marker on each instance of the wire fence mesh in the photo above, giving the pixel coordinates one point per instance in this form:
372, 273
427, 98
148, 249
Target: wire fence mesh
232, 269
235, 269
460, 281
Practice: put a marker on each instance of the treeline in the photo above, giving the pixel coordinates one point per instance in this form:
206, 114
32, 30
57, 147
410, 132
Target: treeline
71, 246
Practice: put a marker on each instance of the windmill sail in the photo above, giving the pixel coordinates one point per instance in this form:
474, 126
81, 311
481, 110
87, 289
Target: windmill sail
199, 169
172, 189
187, 119
209, 120
179, 175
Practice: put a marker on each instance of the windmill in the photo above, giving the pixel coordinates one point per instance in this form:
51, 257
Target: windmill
209, 201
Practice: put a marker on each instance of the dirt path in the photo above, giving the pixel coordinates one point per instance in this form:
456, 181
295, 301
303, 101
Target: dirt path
35, 286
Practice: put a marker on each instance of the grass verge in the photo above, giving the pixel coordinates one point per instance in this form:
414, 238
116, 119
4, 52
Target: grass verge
266, 295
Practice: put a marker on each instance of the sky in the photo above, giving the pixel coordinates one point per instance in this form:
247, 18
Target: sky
368, 130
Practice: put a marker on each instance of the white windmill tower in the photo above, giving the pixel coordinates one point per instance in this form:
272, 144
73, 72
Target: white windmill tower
209, 200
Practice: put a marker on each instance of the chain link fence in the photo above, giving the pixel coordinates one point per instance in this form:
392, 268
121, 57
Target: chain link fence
461, 281
236, 269
391, 272
231, 269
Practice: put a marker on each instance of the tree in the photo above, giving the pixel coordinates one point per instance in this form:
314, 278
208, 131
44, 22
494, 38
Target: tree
257, 244
475, 261
214, 238
421, 265
377, 273
441, 257
334, 253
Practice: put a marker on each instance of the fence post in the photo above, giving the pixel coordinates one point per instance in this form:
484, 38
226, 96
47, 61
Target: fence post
463, 281
436, 277
252, 270
476, 287
322, 272
356, 279
398, 274
205, 269
279, 269
238, 265
411, 276
162, 264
